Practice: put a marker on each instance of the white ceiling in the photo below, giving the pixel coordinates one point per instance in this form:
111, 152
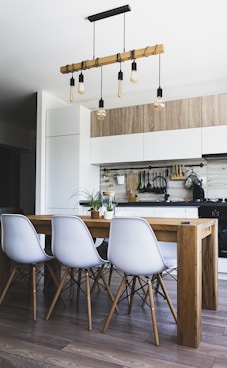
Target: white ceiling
37, 37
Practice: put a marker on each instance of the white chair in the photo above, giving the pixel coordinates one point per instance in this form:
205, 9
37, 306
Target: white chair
73, 246
133, 249
169, 249
21, 244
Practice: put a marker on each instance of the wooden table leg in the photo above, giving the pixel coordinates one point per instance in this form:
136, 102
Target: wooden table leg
4, 272
189, 286
210, 270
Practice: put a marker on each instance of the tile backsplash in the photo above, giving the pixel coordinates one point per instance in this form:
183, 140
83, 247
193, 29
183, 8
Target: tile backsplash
213, 173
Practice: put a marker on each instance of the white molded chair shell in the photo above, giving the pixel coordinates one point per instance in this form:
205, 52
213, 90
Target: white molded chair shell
134, 250
133, 247
21, 244
72, 243
20, 240
169, 252
73, 246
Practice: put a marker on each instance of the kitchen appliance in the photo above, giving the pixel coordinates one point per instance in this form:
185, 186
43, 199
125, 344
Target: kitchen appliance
217, 208
198, 192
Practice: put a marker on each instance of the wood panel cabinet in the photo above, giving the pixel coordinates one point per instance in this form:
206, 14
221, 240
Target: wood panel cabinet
214, 110
126, 120
179, 114
183, 114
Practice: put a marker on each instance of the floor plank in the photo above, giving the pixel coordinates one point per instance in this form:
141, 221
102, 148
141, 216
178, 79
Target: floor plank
64, 340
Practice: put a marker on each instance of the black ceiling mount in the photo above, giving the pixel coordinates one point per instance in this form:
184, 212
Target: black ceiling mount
109, 13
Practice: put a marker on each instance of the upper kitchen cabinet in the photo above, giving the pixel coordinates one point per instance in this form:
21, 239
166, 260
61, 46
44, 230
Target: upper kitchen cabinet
214, 110
117, 148
183, 114
178, 114
214, 140
126, 120
214, 123
172, 144
68, 167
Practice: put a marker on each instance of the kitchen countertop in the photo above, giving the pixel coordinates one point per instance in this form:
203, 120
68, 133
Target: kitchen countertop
164, 204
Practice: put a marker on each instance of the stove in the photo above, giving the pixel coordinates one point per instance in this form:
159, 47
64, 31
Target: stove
217, 209
215, 200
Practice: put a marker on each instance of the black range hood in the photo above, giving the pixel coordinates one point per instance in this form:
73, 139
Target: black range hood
215, 156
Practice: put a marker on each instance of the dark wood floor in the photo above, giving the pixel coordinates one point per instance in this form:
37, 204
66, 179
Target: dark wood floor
64, 340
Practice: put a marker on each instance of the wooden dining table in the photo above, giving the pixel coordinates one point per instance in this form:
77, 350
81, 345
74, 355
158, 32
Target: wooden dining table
197, 274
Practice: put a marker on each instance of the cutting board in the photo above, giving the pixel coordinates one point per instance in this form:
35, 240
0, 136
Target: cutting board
132, 182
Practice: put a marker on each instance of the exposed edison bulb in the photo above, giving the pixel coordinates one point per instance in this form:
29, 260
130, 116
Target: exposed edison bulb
81, 88
101, 112
134, 76
159, 103
120, 79
71, 89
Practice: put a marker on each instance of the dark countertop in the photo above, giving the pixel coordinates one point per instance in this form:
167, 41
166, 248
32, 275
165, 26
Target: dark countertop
164, 204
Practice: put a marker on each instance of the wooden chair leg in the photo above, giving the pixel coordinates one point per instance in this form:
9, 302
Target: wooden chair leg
10, 279
167, 297
78, 285
153, 314
34, 291
71, 283
117, 297
57, 294
131, 298
88, 293
110, 274
50, 269
107, 286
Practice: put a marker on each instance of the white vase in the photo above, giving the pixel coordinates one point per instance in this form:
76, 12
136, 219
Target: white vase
108, 215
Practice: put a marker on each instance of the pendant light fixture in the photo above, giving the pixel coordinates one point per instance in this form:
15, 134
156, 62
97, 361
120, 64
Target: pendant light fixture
131, 55
159, 103
81, 88
120, 79
134, 75
101, 112
71, 91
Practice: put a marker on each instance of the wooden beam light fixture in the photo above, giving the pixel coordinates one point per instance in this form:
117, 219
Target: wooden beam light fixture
111, 59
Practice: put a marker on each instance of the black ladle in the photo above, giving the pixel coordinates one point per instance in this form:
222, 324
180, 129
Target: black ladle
148, 184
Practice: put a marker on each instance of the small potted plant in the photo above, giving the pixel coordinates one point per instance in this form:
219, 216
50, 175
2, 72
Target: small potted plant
108, 214
95, 202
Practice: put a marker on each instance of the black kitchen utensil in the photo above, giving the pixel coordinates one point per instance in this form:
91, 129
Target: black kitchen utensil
148, 184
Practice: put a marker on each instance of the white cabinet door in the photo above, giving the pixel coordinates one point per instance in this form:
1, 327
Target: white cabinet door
173, 144
214, 139
67, 165
172, 212
176, 212
62, 167
63, 121
118, 148
141, 211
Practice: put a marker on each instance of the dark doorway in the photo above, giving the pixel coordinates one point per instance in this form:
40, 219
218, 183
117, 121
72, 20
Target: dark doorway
10, 177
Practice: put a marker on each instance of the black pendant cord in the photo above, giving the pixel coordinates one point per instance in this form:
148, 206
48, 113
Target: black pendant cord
124, 36
101, 82
94, 41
